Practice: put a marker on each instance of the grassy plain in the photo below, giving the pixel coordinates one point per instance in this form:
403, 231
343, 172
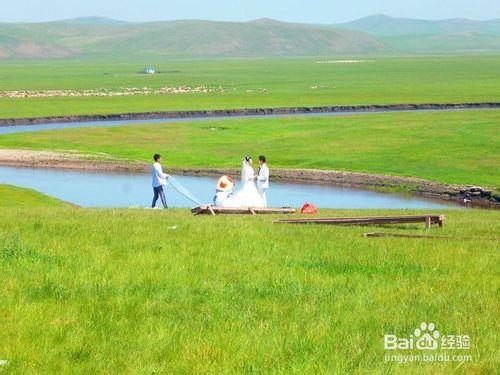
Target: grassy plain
107, 291
452, 147
11, 196
288, 82
113, 291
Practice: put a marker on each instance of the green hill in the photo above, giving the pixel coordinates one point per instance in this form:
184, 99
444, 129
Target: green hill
99, 36
15, 43
96, 36
380, 25
417, 36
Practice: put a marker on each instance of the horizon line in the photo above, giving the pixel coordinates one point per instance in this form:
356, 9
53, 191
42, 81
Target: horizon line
244, 21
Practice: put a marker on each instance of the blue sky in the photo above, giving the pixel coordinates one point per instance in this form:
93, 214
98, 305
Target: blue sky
312, 11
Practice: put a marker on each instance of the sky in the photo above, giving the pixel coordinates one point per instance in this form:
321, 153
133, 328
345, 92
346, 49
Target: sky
309, 11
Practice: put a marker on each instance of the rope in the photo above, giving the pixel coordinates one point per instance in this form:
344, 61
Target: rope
183, 191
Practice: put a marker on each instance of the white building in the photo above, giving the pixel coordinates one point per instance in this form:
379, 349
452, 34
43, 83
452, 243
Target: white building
149, 70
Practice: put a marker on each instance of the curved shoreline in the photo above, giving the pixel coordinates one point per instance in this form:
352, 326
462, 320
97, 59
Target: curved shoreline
249, 112
475, 195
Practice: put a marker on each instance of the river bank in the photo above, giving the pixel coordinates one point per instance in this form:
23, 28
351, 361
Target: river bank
472, 195
249, 112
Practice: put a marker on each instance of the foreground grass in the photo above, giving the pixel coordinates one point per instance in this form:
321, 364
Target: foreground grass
117, 291
11, 196
288, 82
452, 147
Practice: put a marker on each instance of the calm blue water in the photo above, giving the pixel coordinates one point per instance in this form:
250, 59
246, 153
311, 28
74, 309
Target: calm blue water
106, 123
98, 189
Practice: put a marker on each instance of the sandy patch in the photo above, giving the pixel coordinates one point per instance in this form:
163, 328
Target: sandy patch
66, 160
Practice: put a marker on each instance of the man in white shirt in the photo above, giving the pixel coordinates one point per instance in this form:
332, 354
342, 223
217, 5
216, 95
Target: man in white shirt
263, 178
159, 181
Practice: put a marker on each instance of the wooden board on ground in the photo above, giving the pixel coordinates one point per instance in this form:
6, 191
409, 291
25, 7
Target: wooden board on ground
367, 220
211, 210
401, 235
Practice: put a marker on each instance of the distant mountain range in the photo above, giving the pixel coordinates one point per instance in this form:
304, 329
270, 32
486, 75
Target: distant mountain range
379, 34
384, 26
95, 20
100, 36
420, 36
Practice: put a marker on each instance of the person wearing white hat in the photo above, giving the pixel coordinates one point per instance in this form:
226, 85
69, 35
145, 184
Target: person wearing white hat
223, 191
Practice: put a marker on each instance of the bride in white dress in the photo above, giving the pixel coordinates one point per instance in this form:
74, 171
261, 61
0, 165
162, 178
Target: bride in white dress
248, 195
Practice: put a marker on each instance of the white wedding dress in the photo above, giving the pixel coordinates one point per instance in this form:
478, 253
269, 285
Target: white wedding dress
248, 195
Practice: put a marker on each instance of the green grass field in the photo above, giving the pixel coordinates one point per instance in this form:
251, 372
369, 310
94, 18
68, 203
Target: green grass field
116, 291
11, 196
452, 147
288, 83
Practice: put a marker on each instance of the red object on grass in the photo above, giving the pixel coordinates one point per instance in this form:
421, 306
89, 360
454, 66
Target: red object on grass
309, 208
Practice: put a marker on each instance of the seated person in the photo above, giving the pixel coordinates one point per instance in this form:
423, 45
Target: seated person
223, 192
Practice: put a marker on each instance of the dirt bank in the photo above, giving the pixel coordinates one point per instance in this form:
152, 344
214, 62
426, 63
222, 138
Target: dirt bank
476, 196
248, 112
61, 160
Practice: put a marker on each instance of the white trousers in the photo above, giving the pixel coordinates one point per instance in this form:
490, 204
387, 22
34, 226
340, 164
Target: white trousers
262, 193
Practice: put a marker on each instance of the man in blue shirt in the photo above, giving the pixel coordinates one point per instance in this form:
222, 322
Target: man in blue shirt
159, 181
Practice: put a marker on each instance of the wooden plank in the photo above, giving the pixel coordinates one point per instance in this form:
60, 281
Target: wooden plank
355, 221
427, 219
428, 222
441, 221
408, 235
200, 210
420, 218
434, 218
400, 235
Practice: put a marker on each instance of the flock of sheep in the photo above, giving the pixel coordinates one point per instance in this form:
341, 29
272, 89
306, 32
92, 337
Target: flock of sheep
123, 91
